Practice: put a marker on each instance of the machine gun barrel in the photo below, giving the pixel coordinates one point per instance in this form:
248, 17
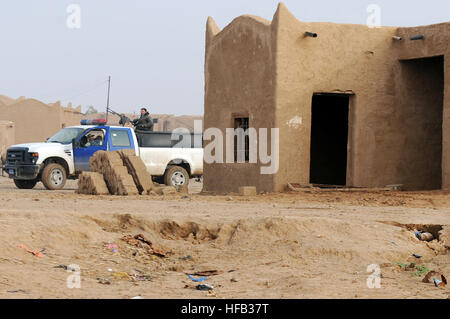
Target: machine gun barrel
123, 118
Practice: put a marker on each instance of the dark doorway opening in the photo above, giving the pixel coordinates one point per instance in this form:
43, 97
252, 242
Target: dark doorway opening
422, 116
329, 139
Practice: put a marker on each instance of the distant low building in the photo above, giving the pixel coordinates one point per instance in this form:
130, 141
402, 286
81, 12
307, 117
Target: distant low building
35, 121
7, 137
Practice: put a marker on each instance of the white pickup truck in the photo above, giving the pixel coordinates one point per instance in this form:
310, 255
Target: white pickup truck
170, 158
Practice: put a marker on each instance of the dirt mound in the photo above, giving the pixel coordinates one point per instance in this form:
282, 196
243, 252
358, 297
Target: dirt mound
188, 230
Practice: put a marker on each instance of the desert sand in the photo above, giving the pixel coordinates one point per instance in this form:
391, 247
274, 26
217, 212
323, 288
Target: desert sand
289, 245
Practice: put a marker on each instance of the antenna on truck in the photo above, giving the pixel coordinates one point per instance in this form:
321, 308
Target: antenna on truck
107, 100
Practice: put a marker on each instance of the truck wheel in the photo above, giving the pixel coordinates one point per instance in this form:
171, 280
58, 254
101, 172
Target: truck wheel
176, 176
54, 176
25, 184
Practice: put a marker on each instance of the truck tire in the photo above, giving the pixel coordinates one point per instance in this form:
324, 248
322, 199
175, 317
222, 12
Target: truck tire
176, 176
25, 184
54, 176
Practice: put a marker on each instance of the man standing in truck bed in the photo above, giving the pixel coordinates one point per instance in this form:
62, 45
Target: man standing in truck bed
144, 122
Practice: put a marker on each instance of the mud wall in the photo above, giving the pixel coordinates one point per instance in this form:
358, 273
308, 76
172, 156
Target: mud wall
7, 137
239, 82
393, 116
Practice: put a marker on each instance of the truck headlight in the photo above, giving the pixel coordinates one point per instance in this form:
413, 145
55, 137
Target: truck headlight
34, 157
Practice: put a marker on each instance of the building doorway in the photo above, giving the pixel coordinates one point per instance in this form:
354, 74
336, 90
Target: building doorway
329, 139
422, 107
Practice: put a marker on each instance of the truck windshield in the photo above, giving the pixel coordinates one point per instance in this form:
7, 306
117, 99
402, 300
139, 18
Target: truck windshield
66, 135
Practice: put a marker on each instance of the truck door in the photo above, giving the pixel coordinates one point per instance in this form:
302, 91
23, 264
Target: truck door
86, 145
120, 138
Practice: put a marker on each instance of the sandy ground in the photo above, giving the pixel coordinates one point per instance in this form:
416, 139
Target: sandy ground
297, 245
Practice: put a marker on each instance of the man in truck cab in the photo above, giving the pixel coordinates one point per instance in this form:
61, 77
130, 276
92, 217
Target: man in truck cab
144, 122
95, 138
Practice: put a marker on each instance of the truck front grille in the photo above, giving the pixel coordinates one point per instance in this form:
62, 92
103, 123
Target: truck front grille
15, 157
18, 155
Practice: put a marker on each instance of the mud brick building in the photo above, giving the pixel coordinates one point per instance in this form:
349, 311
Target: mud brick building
355, 106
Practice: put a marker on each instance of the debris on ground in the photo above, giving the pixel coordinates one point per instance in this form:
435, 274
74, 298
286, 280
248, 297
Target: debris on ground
197, 279
121, 275
435, 277
18, 291
204, 287
114, 248
142, 277
141, 242
65, 267
205, 273
417, 255
103, 281
188, 257
423, 236
36, 253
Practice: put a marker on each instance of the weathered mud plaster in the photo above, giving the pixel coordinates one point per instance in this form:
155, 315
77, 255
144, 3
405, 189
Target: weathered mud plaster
269, 72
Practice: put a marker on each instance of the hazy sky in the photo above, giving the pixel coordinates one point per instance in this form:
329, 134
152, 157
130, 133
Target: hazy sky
154, 50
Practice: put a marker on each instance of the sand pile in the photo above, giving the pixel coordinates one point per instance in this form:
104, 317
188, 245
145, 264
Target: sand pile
110, 164
136, 168
92, 183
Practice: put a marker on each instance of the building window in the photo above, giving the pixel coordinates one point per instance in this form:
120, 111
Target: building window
241, 134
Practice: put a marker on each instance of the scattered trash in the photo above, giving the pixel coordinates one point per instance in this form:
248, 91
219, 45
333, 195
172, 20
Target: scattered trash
38, 254
205, 273
188, 257
230, 198
186, 197
394, 243
204, 287
417, 255
65, 267
113, 247
17, 291
423, 236
110, 270
104, 281
196, 279
438, 283
141, 242
436, 277
142, 277
121, 275
137, 297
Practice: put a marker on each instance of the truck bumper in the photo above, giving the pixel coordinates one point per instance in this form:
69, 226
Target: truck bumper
22, 171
